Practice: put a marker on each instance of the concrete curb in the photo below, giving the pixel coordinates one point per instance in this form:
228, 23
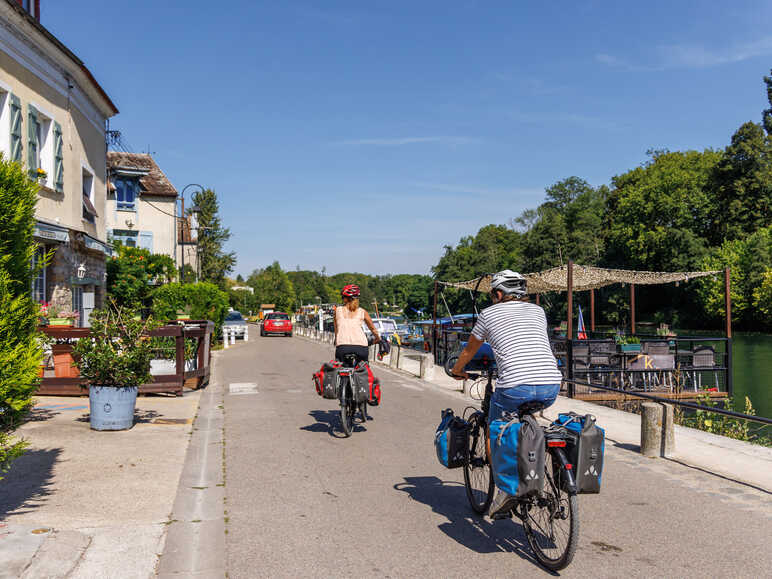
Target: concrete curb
195, 542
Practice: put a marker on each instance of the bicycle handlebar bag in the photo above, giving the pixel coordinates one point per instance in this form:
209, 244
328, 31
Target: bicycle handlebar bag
326, 379
584, 449
518, 450
451, 440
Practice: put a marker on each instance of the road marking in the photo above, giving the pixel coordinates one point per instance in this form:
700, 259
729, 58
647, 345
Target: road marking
242, 388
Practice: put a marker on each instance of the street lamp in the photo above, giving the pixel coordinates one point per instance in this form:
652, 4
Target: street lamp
195, 211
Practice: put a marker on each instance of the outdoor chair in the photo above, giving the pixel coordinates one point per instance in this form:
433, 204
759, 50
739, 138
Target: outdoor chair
703, 359
601, 356
657, 347
581, 358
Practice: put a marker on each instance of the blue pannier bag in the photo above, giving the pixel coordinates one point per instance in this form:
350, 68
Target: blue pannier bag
451, 440
518, 450
585, 446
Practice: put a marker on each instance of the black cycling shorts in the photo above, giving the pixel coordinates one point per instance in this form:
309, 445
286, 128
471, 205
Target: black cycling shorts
361, 352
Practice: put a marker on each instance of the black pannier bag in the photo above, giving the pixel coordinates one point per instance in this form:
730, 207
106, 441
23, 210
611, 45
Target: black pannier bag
585, 445
530, 457
451, 440
326, 379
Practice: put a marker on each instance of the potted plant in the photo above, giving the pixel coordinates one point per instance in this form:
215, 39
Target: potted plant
114, 362
183, 314
61, 317
628, 343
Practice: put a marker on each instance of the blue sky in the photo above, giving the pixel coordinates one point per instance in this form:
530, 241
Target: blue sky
364, 136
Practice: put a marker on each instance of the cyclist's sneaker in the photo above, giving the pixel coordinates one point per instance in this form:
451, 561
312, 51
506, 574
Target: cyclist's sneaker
501, 505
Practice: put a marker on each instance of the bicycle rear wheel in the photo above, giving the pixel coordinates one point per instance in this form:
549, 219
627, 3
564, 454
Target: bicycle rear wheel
346, 415
551, 521
478, 479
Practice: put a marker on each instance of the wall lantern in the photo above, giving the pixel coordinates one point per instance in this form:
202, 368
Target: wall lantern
81, 271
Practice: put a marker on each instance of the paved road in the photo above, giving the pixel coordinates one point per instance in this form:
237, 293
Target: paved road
304, 502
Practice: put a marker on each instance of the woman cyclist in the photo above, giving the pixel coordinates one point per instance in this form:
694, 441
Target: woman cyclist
350, 338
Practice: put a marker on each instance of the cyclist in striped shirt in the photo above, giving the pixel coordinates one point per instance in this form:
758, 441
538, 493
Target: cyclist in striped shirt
517, 332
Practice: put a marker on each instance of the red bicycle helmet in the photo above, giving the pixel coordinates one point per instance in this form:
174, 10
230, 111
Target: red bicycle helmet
351, 291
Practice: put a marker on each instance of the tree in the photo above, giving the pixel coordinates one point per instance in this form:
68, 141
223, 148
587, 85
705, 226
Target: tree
659, 214
743, 184
214, 262
133, 272
20, 350
272, 285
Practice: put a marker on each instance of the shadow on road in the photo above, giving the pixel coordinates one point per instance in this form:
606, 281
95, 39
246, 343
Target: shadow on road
448, 498
27, 484
329, 421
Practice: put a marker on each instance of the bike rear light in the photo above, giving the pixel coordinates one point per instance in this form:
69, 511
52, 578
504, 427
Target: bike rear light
560, 443
569, 466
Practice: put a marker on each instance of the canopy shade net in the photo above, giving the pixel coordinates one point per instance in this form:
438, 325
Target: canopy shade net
585, 277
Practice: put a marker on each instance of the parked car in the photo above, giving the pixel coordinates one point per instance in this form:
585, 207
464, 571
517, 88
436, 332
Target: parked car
235, 322
276, 323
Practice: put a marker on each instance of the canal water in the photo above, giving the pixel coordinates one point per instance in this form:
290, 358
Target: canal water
752, 373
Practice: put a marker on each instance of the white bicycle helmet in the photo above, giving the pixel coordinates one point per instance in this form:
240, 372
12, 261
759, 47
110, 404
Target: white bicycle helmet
510, 282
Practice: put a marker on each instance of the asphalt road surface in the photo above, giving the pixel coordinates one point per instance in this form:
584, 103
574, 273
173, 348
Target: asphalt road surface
303, 501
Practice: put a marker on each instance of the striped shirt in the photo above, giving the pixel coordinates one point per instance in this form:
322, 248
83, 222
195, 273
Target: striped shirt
517, 333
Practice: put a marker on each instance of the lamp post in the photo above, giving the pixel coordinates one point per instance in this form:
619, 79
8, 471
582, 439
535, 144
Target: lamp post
319, 313
194, 221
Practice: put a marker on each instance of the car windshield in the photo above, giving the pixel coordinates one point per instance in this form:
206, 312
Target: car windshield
277, 317
233, 317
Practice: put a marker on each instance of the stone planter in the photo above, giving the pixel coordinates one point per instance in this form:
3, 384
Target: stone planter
112, 407
64, 362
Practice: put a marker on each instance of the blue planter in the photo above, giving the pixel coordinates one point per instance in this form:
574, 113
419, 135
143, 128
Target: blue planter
630, 347
112, 408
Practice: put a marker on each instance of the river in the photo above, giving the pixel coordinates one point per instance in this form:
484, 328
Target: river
752, 373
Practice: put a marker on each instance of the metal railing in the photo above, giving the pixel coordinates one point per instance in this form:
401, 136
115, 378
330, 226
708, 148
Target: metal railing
683, 403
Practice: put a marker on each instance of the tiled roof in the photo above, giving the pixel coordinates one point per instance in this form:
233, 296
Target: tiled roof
153, 183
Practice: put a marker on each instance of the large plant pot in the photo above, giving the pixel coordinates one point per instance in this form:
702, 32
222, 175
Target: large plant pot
112, 407
162, 367
63, 361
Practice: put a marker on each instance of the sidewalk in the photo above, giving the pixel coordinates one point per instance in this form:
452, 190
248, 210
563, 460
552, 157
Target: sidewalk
82, 503
735, 460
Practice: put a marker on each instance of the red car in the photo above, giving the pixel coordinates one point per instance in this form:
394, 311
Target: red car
276, 323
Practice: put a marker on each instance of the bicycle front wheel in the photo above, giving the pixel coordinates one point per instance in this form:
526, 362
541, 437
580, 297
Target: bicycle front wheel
551, 521
346, 415
478, 478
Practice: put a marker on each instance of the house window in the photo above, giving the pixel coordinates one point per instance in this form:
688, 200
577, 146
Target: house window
89, 211
39, 281
41, 145
29, 6
5, 123
126, 237
126, 193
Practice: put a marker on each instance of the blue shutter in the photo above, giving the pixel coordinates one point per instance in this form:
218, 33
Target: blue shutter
16, 138
58, 158
32, 140
146, 240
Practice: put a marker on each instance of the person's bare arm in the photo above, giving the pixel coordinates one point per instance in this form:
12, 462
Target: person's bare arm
465, 357
335, 323
370, 325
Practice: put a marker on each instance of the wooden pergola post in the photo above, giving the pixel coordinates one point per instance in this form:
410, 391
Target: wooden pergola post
537, 299
592, 310
570, 329
570, 290
434, 323
632, 309
728, 307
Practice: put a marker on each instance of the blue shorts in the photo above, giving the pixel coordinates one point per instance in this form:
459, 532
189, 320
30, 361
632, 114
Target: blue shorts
510, 399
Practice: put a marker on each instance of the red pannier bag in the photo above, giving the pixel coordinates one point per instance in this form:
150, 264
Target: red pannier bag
367, 386
326, 379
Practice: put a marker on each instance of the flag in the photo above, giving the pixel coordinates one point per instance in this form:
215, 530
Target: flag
581, 333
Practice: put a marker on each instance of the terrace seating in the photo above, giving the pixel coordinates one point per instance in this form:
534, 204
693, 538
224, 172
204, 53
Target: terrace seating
703, 358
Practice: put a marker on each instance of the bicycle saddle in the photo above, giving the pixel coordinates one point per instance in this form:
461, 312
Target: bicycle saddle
530, 408
350, 360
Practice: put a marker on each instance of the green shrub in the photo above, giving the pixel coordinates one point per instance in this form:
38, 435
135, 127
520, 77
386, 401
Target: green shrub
131, 273
202, 301
119, 352
20, 350
722, 424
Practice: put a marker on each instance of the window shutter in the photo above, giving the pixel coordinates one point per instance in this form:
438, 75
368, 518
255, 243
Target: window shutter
16, 139
146, 240
32, 139
58, 158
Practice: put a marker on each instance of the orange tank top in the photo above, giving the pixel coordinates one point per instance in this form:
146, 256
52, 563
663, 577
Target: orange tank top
349, 324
